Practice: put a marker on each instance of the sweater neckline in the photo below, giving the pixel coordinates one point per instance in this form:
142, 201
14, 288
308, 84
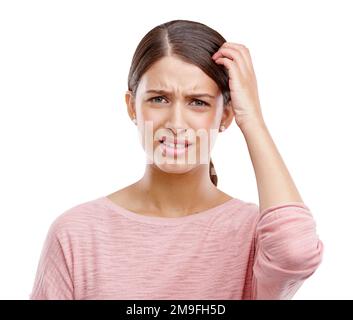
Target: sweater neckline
171, 220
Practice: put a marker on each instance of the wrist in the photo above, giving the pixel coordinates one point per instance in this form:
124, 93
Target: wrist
252, 124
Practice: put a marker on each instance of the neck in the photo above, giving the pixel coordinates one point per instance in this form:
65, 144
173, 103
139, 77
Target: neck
177, 194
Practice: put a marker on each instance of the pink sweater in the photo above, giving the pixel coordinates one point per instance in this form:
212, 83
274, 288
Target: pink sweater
99, 250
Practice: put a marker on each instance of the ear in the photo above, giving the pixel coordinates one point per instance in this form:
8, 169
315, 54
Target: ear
130, 103
228, 114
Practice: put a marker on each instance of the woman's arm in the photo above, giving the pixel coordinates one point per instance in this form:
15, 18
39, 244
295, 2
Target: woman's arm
287, 248
274, 182
275, 185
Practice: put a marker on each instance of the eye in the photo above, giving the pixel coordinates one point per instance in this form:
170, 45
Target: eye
203, 103
200, 102
153, 99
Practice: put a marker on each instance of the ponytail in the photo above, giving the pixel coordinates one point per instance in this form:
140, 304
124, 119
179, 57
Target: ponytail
213, 174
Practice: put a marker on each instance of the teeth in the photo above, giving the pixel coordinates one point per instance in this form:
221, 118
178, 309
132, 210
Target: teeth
172, 145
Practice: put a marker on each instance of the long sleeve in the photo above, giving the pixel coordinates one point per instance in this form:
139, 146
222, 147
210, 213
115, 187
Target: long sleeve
53, 279
287, 251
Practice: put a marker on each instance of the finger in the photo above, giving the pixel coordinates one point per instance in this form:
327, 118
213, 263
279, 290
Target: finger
234, 56
233, 69
244, 51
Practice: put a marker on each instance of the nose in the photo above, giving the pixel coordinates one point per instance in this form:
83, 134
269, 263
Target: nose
176, 121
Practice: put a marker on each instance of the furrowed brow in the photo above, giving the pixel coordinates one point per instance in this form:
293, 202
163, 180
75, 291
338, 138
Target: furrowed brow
192, 95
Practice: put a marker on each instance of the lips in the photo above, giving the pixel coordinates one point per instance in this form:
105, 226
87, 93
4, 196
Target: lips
176, 143
176, 146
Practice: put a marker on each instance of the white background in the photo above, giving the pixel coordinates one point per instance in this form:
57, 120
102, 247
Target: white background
66, 137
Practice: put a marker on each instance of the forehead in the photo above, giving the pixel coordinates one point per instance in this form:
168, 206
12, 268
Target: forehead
171, 73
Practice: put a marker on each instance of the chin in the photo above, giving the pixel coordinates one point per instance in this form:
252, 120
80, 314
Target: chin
175, 168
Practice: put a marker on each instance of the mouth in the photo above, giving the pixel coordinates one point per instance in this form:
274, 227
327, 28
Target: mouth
178, 145
174, 149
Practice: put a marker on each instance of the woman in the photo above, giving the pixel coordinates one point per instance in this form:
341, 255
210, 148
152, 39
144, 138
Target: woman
173, 234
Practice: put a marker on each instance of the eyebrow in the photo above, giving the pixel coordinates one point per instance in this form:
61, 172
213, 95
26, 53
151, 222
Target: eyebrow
198, 95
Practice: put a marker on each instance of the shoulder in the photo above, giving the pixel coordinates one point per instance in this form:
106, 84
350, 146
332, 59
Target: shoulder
245, 213
240, 212
80, 217
248, 208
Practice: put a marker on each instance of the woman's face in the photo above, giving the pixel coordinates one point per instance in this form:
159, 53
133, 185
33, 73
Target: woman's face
177, 100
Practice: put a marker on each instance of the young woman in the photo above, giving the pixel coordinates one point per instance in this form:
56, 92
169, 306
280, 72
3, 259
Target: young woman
173, 234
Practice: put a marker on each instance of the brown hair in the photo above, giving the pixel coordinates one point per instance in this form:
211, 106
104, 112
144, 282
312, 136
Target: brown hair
190, 41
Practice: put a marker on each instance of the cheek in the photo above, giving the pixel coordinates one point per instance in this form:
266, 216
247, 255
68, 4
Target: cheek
210, 125
147, 119
157, 117
205, 123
